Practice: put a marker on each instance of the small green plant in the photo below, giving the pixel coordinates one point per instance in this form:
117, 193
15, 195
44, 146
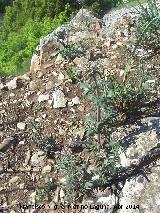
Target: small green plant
147, 32
73, 74
41, 193
38, 139
77, 178
69, 52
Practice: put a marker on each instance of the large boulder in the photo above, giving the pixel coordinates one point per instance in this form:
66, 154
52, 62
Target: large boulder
140, 193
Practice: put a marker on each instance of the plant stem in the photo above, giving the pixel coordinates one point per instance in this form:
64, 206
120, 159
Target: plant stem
98, 109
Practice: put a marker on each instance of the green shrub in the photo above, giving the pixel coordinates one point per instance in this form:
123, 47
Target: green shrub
17, 47
147, 32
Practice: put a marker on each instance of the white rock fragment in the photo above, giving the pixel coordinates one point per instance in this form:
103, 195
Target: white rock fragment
59, 59
38, 159
59, 99
46, 169
1, 86
61, 131
12, 211
33, 85
40, 74
76, 100
150, 81
96, 177
49, 85
61, 194
13, 179
61, 76
12, 84
21, 126
43, 97
54, 73
32, 197
11, 95
24, 77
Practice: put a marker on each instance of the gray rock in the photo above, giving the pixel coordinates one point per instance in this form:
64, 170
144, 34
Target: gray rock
7, 142
33, 85
76, 100
38, 159
49, 85
59, 59
59, 99
82, 18
21, 126
12, 84
138, 139
43, 97
1, 86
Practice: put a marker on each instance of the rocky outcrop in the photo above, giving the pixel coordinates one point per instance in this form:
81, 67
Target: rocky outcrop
140, 191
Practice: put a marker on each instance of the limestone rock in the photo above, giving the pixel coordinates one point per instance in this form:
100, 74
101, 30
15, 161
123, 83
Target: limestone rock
12, 84
49, 85
61, 77
35, 64
38, 158
59, 59
59, 99
83, 18
46, 169
61, 131
75, 100
21, 126
24, 77
33, 85
1, 86
13, 180
43, 97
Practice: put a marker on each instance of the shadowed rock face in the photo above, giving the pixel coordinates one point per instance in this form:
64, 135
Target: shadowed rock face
141, 192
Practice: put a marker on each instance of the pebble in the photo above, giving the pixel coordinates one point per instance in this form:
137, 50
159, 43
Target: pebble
21, 126
43, 97
33, 85
61, 131
59, 59
59, 99
61, 76
12, 84
38, 158
1, 86
61, 193
13, 180
76, 100
49, 85
46, 169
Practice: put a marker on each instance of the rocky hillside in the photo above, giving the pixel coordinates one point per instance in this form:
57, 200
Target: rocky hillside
43, 120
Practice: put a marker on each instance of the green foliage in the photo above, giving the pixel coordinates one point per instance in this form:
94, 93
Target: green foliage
41, 193
25, 22
17, 47
148, 26
77, 177
69, 52
37, 137
114, 100
72, 74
